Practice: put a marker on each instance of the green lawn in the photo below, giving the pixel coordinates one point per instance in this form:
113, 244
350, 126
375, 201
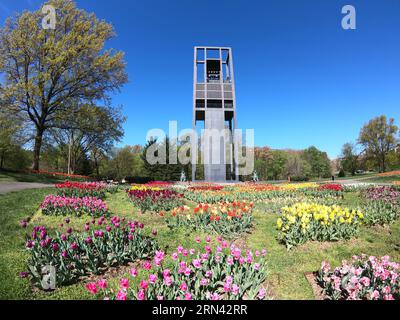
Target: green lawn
384, 179
286, 269
8, 176
15, 206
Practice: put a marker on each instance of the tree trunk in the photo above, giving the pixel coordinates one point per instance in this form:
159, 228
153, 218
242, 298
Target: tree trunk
37, 147
383, 163
2, 160
97, 167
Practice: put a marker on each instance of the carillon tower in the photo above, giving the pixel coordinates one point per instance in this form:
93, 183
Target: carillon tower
214, 109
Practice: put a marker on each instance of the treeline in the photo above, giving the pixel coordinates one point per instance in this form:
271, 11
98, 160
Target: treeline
376, 149
296, 165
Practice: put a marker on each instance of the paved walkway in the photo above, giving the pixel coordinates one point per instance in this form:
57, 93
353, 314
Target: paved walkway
6, 187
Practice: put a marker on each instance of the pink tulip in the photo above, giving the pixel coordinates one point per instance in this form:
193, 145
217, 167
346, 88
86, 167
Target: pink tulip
133, 272
188, 296
124, 283
102, 284
92, 287
183, 286
121, 295
140, 295
144, 284
196, 263
261, 294
153, 278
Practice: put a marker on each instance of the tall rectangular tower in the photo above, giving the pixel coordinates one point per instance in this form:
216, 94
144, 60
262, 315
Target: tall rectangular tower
214, 106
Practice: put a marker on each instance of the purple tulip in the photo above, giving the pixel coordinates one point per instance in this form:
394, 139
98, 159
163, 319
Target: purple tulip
98, 233
43, 234
29, 244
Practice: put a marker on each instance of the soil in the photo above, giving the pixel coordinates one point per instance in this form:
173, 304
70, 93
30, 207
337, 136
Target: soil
318, 293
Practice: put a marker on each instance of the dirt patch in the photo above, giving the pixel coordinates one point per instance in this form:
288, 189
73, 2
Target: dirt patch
112, 272
312, 245
326, 245
318, 292
241, 243
381, 229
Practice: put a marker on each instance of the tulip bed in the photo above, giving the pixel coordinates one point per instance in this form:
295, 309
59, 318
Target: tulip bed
310, 221
228, 219
61, 205
380, 212
386, 193
82, 189
74, 254
207, 274
368, 278
149, 199
259, 193
381, 205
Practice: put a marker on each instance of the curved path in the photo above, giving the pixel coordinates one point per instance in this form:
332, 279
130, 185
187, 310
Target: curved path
6, 187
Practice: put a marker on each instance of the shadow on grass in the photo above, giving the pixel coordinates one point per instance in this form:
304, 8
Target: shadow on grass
10, 176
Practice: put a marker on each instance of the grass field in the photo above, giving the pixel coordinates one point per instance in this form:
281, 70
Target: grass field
8, 176
286, 269
384, 179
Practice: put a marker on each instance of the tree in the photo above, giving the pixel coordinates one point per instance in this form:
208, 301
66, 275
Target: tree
261, 156
161, 171
91, 128
46, 70
122, 163
349, 158
276, 164
296, 167
98, 156
11, 141
318, 161
378, 137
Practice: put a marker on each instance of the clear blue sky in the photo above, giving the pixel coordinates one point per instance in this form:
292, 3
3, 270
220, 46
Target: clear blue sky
301, 79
